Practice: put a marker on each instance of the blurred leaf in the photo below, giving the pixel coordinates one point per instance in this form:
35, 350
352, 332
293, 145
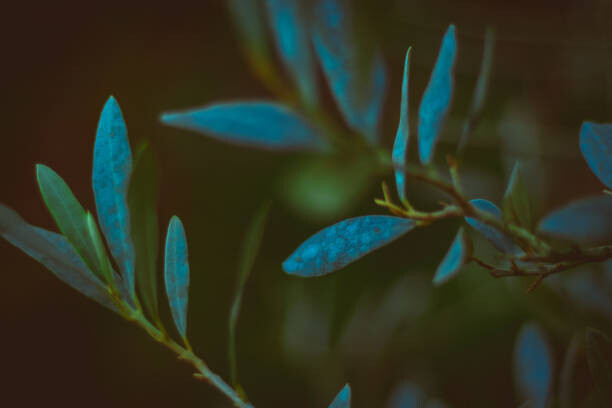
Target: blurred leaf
176, 274
455, 258
437, 97
142, 203
400, 146
96, 239
68, 215
293, 43
599, 357
533, 365
343, 399
112, 168
567, 391
359, 97
480, 91
499, 240
406, 395
260, 124
587, 220
252, 243
596, 147
347, 241
248, 18
515, 203
55, 253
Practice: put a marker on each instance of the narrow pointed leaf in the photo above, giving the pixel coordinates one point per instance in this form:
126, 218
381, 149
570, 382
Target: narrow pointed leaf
587, 220
55, 253
347, 241
177, 274
400, 146
343, 399
480, 91
293, 43
261, 124
69, 215
454, 259
112, 169
142, 203
596, 147
533, 366
599, 358
515, 203
359, 92
437, 97
499, 240
96, 239
248, 18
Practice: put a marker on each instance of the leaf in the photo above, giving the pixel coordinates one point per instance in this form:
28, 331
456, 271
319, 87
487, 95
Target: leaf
437, 97
112, 169
68, 215
142, 203
96, 239
568, 390
587, 220
261, 124
480, 91
252, 242
177, 274
248, 19
515, 203
454, 259
599, 358
407, 395
293, 44
596, 147
343, 399
347, 241
359, 92
499, 240
55, 253
533, 365
400, 146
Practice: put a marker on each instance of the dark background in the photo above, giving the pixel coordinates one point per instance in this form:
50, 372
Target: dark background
375, 323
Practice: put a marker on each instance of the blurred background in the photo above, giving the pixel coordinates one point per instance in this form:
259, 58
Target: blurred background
376, 324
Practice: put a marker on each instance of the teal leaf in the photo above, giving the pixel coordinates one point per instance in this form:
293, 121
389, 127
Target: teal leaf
515, 204
400, 146
596, 147
177, 274
599, 358
437, 97
260, 124
499, 240
96, 239
455, 258
358, 92
293, 43
347, 241
587, 220
343, 399
55, 253
69, 215
142, 203
112, 169
533, 365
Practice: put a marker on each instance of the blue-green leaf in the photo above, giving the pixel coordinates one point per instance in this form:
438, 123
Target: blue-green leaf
142, 203
437, 97
248, 18
347, 241
499, 240
533, 365
406, 395
599, 358
400, 146
515, 204
343, 399
112, 169
177, 274
358, 94
454, 259
587, 220
69, 215
55, 253
596, 147
293, 44
261, 124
